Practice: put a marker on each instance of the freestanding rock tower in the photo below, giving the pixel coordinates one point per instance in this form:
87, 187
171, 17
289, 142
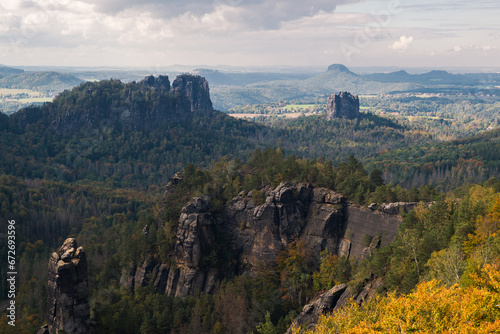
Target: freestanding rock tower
68, 294
342, 105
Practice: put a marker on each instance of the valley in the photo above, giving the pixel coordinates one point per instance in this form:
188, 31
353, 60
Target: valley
193, 220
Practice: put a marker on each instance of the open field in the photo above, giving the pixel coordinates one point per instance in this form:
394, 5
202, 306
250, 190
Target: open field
300, 106
5, 92
12, 100
288, 115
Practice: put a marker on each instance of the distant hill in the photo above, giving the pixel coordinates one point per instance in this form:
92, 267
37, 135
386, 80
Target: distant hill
44, 82
430, 78
216, 77
337, 78
4, 70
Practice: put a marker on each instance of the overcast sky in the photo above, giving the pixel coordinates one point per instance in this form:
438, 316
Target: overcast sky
250, 32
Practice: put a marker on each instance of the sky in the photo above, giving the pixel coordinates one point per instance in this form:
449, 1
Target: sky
153, 33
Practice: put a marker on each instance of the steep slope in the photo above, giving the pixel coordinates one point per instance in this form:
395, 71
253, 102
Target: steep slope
256, 233
137, 134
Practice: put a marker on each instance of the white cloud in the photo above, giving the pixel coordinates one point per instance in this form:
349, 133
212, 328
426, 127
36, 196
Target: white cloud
250, 14
460, 48
402, 44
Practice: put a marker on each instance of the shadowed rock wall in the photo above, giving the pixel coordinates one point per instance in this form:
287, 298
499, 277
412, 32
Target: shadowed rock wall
254, 227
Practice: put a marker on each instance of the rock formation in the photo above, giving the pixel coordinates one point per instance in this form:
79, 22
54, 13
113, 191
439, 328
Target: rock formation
322, 304
68, 295
147, 105
332, 300
161, 82
254, 227
195, 88
342, 105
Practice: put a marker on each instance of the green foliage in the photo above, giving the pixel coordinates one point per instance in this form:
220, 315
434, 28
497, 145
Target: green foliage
446, 165
266, 327
332, 271
367, 239
102, 188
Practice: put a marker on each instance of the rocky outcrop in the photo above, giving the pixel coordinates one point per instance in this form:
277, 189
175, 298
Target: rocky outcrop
169, 189
332, 300
253, 228
148, 105
398, 207
342, 105
195, 88
161, 82
322, 304
68, 295
361, 223
195, 236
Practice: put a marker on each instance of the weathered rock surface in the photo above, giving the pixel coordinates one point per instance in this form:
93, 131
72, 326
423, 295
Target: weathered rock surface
160, 82
342, 105
254, 227
195, 88
332, 300
195, 235
322, 304
398, 207
150, 107
360, 222
68, 295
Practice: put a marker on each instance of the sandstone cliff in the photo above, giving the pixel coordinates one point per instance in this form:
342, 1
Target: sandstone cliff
342, 105
68, 295
254, 228
147, 105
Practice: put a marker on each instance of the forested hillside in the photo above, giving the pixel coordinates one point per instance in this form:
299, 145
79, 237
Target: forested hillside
45, 82
138, 172
109, 223
446, 165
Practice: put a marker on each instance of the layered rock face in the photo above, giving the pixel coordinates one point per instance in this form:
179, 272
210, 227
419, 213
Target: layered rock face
68, 295
253, 228
342, 105
154, 104
195, 88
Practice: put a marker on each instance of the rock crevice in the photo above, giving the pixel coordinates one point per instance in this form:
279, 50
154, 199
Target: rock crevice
254, 227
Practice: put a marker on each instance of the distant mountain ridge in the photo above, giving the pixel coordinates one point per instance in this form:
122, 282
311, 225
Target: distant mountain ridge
435, 77
4, 70
336, 78
44, 82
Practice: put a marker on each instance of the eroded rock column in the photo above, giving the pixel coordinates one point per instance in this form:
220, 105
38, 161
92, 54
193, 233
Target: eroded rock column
68, 294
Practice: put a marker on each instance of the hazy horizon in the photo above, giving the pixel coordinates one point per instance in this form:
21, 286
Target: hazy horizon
250, 33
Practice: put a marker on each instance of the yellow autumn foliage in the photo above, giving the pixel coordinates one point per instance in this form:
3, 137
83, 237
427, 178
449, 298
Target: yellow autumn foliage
431, 308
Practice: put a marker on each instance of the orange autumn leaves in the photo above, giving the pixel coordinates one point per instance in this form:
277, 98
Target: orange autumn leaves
431, 308
465, 301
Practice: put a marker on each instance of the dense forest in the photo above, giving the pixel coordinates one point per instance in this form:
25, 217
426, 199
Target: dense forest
104, 184
109, 224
